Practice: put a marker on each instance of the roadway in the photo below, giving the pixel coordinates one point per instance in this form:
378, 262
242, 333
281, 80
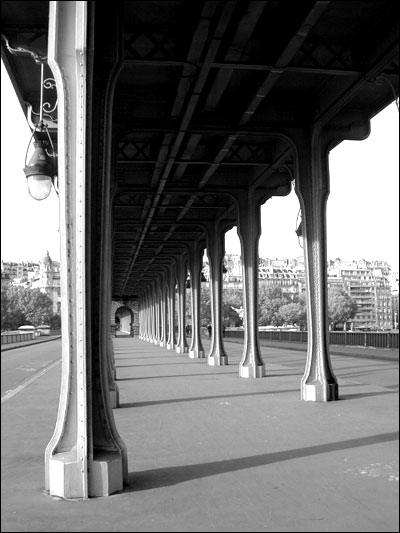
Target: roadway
209, 451
21, 364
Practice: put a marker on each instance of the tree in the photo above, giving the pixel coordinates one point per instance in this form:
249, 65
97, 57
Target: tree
25, 306
37, 307
11, 317
232, 304
205, 305
341, 307
233, 297
293, 313
230, 316
55, 322
270, 300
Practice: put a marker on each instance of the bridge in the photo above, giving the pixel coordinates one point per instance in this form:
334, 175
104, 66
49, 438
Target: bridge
173, 122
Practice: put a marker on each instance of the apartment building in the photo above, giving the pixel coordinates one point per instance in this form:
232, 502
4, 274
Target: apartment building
370, 283
43, 275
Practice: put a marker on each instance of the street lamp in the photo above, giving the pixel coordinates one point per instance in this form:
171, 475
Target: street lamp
41, 169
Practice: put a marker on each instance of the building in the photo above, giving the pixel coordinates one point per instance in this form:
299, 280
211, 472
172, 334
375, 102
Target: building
371, 284
48, 281
43, 275
368, 284
5, 280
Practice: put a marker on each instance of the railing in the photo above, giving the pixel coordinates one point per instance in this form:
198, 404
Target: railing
372, 339
10, 338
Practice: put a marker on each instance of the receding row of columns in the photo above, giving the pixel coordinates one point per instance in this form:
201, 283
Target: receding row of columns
86, 457
157, 304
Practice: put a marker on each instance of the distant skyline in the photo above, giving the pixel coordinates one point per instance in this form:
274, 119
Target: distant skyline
362, 208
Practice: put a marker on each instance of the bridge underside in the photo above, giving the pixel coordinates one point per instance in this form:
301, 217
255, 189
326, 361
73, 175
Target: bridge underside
176, 121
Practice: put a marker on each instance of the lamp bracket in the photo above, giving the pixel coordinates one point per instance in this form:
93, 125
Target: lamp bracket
20, 50
47, 110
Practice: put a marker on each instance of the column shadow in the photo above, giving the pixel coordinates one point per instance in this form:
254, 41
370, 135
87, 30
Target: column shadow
197, 398
166, 477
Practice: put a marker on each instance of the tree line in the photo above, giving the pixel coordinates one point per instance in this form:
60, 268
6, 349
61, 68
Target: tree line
21, 306
275, 308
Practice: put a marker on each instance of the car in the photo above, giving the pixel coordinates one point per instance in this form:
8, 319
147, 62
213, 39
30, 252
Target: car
29, 329
44, 329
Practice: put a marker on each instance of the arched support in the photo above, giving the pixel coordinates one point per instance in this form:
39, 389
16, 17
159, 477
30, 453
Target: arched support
154, 321
158, 310
171, 306
319, 383
164, 310
196, 250
85, 456
249, 231
181, 345
216, 252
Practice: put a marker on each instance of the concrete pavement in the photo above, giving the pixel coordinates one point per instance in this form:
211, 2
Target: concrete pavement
209, 451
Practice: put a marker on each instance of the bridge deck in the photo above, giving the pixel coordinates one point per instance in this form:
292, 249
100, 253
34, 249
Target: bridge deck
209, 451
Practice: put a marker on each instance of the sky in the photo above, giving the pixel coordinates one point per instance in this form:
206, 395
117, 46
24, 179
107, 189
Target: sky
362, 207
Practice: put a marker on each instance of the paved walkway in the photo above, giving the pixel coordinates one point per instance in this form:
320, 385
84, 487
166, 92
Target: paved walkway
209, 451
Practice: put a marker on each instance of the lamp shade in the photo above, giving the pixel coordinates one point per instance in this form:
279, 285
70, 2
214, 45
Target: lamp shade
39, 173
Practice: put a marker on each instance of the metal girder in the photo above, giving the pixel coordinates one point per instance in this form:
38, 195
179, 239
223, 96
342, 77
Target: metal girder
206, 98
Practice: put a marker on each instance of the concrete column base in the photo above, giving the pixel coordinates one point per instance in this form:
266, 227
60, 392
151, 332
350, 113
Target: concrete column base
218, 360
105, 474
66, 479
319, 392
170, 346
252, 371
196, 354
180, 349
162, 344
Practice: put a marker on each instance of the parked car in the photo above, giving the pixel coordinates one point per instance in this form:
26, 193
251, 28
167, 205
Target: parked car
44, 329
29, 329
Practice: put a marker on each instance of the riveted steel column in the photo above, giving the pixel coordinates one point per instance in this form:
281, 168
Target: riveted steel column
196, 250
216, 251
171, 306
77, 464
156, 313
312, 188
144, 316
111, 373
152, 314
140, 313
158, 310
164, 310
147, 315
249, 231
181, 345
